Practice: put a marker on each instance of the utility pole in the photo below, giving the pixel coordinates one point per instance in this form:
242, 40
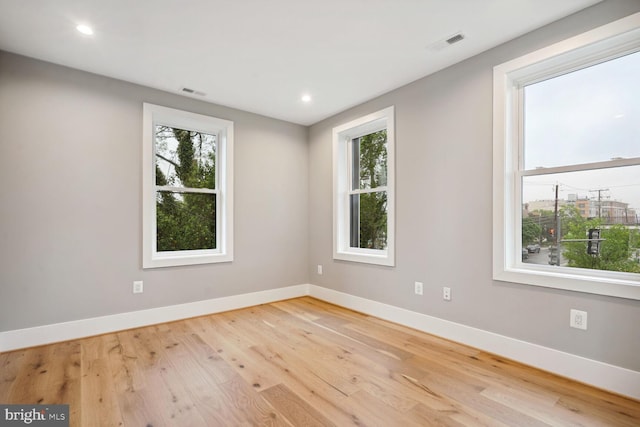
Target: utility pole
555, 214
599, 199
554, 253
540, 226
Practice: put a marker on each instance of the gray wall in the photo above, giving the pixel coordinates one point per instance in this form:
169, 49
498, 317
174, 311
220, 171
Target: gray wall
444, 212
70, 200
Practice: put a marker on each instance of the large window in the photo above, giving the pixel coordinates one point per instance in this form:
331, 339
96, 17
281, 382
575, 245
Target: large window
187, 188
567, 164
363, 189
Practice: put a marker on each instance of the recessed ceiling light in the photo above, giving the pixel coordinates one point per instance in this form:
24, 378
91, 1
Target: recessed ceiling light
85, 29
306, 98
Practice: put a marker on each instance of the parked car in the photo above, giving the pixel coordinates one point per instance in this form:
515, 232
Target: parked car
525, 254
533, 248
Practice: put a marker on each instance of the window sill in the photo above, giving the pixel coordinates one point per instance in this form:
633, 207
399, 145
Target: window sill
366, 256
179, 259
622, 287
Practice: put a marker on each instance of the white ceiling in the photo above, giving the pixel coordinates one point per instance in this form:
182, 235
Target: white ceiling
262, 55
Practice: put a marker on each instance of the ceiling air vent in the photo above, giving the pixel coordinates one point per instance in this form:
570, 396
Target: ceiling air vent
455, 39
446, 42
192, 91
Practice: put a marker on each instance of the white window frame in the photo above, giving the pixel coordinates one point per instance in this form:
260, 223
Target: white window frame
223, 129
607, 42
342, 137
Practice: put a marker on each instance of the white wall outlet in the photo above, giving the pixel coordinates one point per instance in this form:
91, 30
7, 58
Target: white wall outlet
138, 287
418, 288
578, 319
446, 293
320, 269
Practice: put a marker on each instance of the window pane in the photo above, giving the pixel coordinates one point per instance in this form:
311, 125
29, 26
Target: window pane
606, 199
185, 158
185, 221
368, 218
589, 115
369, 154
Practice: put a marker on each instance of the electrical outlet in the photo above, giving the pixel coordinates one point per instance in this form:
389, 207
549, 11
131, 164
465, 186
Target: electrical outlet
418, 288
446, 293
578, 319
138, 287
320, 269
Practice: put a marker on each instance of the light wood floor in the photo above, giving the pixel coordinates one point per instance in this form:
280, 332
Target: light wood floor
300, 362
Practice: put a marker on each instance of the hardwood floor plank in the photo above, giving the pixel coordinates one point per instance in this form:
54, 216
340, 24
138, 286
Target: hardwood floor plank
328, 359
598, 411
234, 350
27, 386
164, 393
98, 400
293, 408
453, 417
297, 376
51, 375
409, 334
199, 352
201, 373
202, 385
529, 407
296, 310
466, 391
130, 380
11, 364
136, 412
368, 411
564, 388
121, 361
296, 362
347, 351
256, 411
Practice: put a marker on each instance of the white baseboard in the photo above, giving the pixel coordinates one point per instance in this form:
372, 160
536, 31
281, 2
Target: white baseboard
39, 335
598, 374
602, 375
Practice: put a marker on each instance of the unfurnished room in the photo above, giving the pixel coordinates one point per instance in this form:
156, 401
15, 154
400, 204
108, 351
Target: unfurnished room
320, 213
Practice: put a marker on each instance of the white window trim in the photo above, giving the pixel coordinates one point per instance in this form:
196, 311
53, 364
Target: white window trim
342, 136
223, 129
611, 40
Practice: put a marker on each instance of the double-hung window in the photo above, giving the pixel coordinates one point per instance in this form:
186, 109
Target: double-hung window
364, 189
567, 164
187, 188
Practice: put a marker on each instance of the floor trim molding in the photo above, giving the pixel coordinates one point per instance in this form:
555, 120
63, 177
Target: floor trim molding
598, 374
57, 332
602, 375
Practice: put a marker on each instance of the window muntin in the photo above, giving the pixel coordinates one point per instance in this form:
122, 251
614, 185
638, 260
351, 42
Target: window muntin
363, 189
187, 207
522, 160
